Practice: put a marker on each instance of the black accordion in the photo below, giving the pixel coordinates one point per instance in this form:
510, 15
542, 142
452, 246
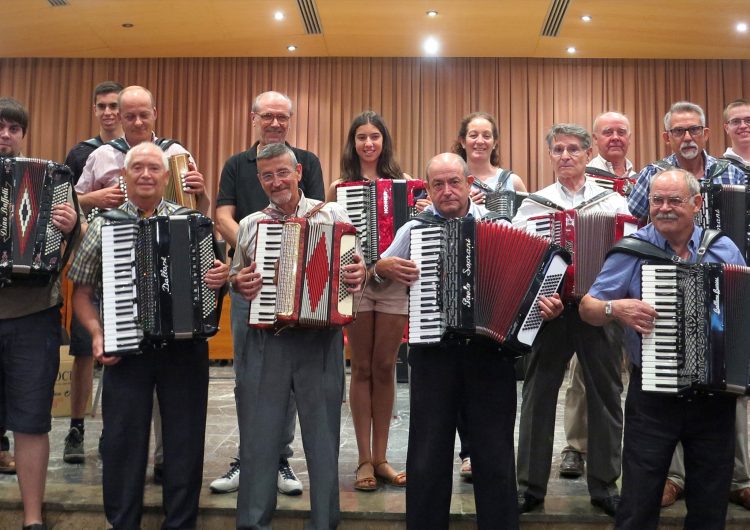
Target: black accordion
700, 338
31, 247
483, 278
378, 208
152, 280
726, 207
504, 203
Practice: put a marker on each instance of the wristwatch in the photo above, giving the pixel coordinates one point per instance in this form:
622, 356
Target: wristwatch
608, 309
377, 279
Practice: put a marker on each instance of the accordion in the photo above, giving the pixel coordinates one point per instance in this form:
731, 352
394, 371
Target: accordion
152, 280
301, 266
378, 209
481, 278
700, 338
30, 245
587, 236
726, 207
504, 203
610, 181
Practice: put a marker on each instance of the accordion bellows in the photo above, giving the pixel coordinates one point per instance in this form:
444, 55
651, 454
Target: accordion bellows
483, 278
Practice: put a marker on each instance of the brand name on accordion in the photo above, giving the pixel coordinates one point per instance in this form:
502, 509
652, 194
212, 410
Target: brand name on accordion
164, 273
467, 266
5, 213
386, 202
466, 299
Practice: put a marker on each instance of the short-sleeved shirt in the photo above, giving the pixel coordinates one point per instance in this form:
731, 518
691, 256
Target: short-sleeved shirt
87, 265
620, 276
104, 166
638, 199
76, 159
239, 185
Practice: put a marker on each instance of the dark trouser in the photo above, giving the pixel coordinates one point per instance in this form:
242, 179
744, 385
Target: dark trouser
600, 361
443, 380
653, 425
180, 374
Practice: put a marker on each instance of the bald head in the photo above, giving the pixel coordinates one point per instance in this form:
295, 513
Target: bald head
611, 134
138, 114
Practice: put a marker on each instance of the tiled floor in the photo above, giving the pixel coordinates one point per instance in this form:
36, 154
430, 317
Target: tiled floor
77, 487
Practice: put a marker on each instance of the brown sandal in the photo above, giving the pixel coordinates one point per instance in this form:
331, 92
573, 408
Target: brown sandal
366, 482
391, 476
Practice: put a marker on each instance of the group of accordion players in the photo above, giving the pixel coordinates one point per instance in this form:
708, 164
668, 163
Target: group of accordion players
483, 279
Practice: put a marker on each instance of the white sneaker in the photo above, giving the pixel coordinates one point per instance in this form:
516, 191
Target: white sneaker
288, 483
229, 481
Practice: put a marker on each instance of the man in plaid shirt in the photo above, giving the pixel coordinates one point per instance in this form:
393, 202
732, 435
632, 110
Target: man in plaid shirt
686, 134
178, 371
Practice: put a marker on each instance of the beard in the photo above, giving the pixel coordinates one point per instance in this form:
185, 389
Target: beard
689, 150
280, 198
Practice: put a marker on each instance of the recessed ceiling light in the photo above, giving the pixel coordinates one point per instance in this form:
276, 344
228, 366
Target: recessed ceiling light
571, 49
742, 27
128, 25
291, 48
586, 18
432, 13
278, 15
431, 46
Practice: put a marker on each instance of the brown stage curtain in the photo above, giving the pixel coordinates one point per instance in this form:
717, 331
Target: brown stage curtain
205, 102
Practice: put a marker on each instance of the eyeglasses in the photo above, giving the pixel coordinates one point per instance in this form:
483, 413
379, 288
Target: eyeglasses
694, 130
281, 174
673, 202
736, 122
268, 117
558, 150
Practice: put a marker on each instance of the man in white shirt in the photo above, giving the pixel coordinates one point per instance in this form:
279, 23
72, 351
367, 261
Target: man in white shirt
569, 151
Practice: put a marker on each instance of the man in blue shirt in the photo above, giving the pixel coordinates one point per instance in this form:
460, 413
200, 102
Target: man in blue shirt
686, 134
471, 374
654, 423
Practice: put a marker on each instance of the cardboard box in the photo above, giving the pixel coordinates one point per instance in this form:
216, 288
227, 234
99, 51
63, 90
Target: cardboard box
61, 399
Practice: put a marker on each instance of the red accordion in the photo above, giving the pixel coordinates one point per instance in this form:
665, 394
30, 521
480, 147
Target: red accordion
378, 209
588, 236
301, 266
610, 181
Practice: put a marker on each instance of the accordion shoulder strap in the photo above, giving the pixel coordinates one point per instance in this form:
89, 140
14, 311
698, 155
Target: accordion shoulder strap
116, 215
545, 202
663, 165
597, 172
745, 168
428, 218
641, 249
717, 168
166, 143
503, 178
184, 210
315, 209
94, 142
122, 145
645, 250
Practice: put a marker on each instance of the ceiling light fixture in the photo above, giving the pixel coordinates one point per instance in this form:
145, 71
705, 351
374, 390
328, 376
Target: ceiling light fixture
278, 15
431, 46
291, 48
586, 18
432, 13
571, 49
742, 27
128, 25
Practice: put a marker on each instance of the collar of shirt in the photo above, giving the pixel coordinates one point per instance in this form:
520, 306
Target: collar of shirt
707, 161
653, 235
132, 209
303, 207
573, 199
602, 163
729, 153
475, 210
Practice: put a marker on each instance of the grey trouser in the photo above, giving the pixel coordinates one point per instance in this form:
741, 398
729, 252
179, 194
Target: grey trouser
240, 308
